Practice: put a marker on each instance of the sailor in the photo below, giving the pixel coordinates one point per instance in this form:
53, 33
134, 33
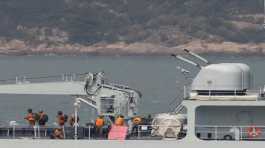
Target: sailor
30, 117
119, 120
57, 134
61, 118
43, 118
137, 120
99, 123
71, 120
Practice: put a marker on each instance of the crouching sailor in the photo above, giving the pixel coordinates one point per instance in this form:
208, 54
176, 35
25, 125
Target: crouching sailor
57, 134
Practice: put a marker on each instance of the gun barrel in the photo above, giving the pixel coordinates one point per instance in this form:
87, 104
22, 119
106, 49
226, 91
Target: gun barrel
187, 61
196, 56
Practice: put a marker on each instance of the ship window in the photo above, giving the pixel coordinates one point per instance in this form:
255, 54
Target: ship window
229, 122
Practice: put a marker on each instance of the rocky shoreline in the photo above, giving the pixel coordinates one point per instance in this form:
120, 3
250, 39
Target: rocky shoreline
19, 47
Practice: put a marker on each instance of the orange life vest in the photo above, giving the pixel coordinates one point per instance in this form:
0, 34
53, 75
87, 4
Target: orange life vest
99, 122
30, 118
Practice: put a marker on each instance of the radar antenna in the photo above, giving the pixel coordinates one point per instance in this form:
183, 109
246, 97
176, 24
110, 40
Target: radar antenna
186, 60
196, 55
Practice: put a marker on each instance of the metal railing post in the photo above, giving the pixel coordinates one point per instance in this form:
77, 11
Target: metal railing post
8, 132
216, 132
76, 106
235, 94
45, 132
241, 133
14, 131
89, 132
38, 127
138, 132
35, 131
63, 132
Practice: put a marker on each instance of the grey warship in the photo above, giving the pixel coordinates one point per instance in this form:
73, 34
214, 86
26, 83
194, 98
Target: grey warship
218, 109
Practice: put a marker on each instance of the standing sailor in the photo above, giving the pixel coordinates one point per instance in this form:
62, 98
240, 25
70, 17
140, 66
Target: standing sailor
43, 118
137, 120
119, 120
30, 117
61, 118
99, 123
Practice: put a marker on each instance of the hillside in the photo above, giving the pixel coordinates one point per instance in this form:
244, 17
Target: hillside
130, 26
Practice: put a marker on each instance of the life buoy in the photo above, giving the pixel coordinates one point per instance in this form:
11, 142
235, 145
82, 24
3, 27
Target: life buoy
253, 132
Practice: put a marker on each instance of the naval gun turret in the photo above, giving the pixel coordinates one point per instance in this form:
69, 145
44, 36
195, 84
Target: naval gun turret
219, 81
222, 79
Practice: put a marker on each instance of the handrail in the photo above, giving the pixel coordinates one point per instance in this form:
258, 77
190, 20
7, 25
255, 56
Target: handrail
88, 132
223, 126
231, 132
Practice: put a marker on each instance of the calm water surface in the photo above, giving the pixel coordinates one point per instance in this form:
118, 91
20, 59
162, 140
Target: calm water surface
155, 76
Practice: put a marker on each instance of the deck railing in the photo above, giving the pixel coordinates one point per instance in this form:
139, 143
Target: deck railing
239, 133
140, 132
